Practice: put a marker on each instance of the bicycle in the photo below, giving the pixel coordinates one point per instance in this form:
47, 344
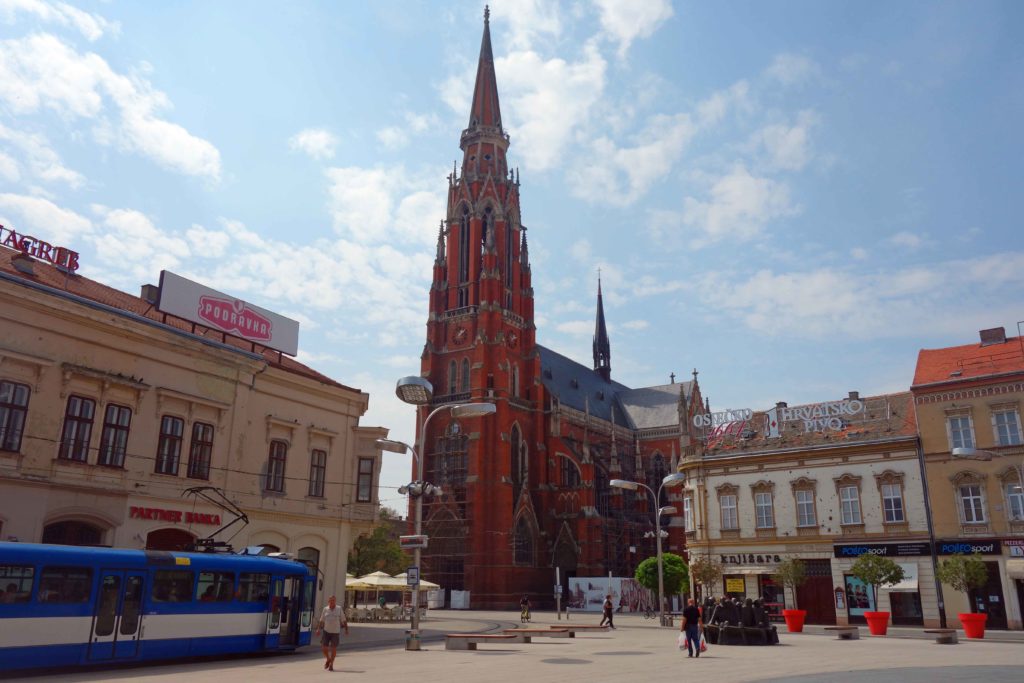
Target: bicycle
649, 613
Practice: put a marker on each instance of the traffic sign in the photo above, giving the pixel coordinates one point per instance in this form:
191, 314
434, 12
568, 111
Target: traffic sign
412, 576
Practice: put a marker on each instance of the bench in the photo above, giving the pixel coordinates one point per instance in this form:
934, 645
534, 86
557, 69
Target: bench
845, 632
590, 628
525, 635
469, 641
943, 636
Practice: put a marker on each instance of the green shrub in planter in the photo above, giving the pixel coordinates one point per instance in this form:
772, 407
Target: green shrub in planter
876, 571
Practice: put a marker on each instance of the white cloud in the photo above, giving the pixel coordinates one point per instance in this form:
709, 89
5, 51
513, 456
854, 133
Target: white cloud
318, 143
92, 26
396, 137
738, 206
790, 69
9, 170
788, 147
44, 219
41, 71
211, 243
626, 20
527, 21
859, 253
714, 108
576, 327
634, 325
906, 239
142, 249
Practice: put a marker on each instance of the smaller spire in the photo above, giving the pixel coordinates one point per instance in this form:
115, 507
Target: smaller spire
602, 345
487, 14
440, 243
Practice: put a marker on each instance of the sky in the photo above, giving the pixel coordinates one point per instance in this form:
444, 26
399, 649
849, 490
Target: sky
792, 198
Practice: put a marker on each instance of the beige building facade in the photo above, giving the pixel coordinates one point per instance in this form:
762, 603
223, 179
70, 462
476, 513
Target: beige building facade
110, 411
969, 397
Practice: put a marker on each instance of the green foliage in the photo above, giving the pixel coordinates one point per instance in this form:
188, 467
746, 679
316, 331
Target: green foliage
674, 570
379, 550
876, 571
706, 571
792, 574
963, 572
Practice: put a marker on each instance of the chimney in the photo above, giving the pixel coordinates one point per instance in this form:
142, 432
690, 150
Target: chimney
996, 335
24, 263
150, 293
781, 404
854, 396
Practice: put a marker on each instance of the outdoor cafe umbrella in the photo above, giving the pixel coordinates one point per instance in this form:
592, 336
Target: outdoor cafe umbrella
381, 581
424, 584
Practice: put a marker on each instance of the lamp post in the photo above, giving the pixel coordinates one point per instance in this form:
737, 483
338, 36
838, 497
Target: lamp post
670, 480
978, 454
418, 391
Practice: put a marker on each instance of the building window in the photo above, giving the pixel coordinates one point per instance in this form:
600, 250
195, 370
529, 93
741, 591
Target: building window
570, 474
688, 512
1015, 502
523, 540
971, 504
849, 498
275, 466
514, 380
114, 439
364, 485
730, 518
892, 503
465, 375
1006, 424
317, 473
961, 435
168, 451
13, 410
200, 451
78, 416
763, 510
453, 377
805, 515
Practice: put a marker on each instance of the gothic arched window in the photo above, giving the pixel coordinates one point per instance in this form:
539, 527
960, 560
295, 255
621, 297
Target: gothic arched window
523, 544
487, 229
453, 377
464, 258
465, 374
509, 247
517, 456
658, 472
513, 381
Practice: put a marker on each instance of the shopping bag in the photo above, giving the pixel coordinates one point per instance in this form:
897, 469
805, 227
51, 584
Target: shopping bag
681, 641
703, 643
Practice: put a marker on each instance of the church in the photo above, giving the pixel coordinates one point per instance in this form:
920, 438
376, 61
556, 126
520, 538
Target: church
527, 490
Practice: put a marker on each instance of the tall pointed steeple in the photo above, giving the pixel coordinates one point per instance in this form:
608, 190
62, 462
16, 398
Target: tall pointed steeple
486, 110
602, 346
484, 142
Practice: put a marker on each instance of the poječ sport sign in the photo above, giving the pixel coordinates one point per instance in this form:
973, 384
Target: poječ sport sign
192, 301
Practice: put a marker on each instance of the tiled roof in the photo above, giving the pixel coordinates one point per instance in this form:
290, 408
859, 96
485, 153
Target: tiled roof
889, 416
958, 363
652, 407
579, 387
49, 276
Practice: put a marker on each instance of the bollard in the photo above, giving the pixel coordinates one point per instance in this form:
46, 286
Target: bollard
412, 639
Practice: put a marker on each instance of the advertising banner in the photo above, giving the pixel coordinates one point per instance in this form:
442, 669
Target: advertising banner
588, 593
858, 597
984, 546
883, 549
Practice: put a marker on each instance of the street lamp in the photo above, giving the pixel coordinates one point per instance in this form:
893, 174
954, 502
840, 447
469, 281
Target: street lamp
418, 391
1016, 511
670, 480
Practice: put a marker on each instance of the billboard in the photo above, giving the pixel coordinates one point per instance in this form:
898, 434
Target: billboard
192, 301
587, 593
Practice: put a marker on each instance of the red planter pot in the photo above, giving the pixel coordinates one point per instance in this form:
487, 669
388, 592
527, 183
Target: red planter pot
878, 623
974, 624
794, 619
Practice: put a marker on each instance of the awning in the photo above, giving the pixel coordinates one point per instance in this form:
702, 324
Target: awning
909, 582
1015, 568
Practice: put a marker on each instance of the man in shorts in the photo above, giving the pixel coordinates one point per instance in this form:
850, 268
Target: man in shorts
332, 620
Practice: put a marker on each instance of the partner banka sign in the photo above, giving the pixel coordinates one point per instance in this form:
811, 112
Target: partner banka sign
815, 417
37, 248
208, 307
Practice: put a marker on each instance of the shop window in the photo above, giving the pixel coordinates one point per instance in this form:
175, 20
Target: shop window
892, 503
215, 586
65, 584
1006, 425
364, 485
114, 438
276, 465
172, 585
961, 433
972, 505
15, 583
200, 451
805, 512
77, 431
849, 499
317, 472
13, 411
168, 451
72, 533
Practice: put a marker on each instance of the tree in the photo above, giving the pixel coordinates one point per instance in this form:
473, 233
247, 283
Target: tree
379, 550
963, 572
874, 570
674, 570
706, 571
792, 575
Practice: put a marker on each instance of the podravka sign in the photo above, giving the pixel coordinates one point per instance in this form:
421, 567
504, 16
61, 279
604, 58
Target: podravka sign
208, 307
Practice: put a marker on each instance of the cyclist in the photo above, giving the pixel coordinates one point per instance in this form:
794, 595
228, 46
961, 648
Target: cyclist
524, 609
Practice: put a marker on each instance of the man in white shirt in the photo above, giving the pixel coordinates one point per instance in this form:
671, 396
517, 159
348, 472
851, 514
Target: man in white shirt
332, 620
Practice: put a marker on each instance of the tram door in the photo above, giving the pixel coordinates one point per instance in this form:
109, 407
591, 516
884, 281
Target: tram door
274, 615
291, 605
117, 620
308, 594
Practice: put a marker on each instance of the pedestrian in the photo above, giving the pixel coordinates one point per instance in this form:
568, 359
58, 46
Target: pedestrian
332, 621
692, 625
608, 610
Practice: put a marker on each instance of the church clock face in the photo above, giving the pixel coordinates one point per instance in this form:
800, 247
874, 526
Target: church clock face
511, 340
460, 334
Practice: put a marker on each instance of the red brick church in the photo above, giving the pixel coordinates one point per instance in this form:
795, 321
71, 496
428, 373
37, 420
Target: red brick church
527, 489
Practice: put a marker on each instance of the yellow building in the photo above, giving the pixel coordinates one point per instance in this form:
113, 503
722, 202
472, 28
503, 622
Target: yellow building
110, 410
969, 398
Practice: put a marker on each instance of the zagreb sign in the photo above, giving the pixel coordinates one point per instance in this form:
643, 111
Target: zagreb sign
192, 301
61, 257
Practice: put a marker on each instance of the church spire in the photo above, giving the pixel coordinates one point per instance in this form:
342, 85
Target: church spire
486, 110
602, 346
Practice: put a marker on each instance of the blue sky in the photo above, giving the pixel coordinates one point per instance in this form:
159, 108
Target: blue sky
791, 197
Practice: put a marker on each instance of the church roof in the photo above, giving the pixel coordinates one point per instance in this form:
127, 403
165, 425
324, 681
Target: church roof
651, 407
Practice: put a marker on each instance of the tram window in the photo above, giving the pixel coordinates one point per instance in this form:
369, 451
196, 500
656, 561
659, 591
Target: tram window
15, 583
172, 585
215, 586
253, 587
65, 584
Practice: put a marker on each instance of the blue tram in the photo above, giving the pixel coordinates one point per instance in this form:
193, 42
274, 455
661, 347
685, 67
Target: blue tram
69, 605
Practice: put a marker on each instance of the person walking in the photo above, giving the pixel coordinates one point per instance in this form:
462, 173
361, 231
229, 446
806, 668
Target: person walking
692, 625
608, 610
332, 621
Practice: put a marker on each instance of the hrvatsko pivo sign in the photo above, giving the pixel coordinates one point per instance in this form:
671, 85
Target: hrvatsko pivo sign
61, 257
208, 307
